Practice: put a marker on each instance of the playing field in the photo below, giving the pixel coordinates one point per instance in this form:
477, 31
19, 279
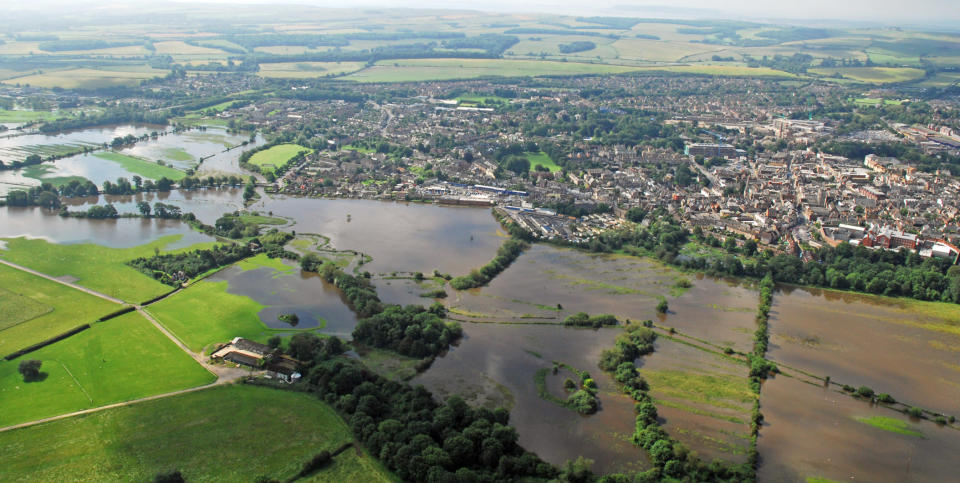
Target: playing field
97, 267
147, 169
231, 433
118, 360
541, 159
33, 309
276, 156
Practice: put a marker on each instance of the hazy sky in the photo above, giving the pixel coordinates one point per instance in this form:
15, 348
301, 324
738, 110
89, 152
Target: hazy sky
892, 12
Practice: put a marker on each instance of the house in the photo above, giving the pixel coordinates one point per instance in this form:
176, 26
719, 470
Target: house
243, 351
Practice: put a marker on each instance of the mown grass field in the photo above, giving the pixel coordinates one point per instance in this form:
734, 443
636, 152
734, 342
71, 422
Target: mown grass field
118, 360
30, 116
541, 159
206, 313
231, 433
270, 159
142, 167
97, 267
263, 220
33, 309
872, 75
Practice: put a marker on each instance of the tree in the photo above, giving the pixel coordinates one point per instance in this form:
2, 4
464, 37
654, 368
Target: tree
663, 307
144, 208
30, 370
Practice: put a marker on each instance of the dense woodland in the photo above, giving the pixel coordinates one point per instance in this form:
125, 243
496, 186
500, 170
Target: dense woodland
416, 437
413, 331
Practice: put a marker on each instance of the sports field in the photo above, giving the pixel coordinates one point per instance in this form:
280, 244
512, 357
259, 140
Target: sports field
276, 156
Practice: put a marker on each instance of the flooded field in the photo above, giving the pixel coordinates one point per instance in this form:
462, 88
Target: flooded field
401, 237
703, 399
494, 365
181, 151
35, 222
908, 349
317, 303
628, 287
206, 204
814, 432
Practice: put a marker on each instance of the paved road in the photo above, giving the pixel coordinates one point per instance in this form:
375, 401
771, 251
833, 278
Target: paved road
63, 282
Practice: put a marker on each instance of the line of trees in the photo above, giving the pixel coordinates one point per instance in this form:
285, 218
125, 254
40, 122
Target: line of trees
506, 254
582, 319
672, 460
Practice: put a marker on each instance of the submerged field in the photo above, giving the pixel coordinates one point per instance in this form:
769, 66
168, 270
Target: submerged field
911, 351
234, 433
118, 360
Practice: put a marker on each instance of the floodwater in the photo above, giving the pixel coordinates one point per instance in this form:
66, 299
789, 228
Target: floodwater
182, 151
207, 204
544, 276
35, 222
401, 237
811, 431
884, 344
494, 365
302, 293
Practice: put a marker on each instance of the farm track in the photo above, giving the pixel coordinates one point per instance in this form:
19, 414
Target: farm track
224, 375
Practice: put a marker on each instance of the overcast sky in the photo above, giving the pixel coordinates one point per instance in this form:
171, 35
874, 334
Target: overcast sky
893, 12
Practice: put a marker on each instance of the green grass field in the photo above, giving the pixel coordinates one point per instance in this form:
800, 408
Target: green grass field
262, 220
872, 75
30, 116
17, 308
892, 425
231, 433
869, 101
276, 156
541, 159
33, 309
205, 313
118, 360
96, 267
147, 169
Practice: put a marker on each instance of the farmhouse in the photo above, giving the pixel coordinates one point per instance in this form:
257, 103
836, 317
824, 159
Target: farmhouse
243, 351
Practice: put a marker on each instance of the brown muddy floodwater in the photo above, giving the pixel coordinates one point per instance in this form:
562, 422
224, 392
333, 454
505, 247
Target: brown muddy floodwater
34, 222
494, 365
629, 287
315, 301
810, 431
207, 204
907, 349
401, 237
